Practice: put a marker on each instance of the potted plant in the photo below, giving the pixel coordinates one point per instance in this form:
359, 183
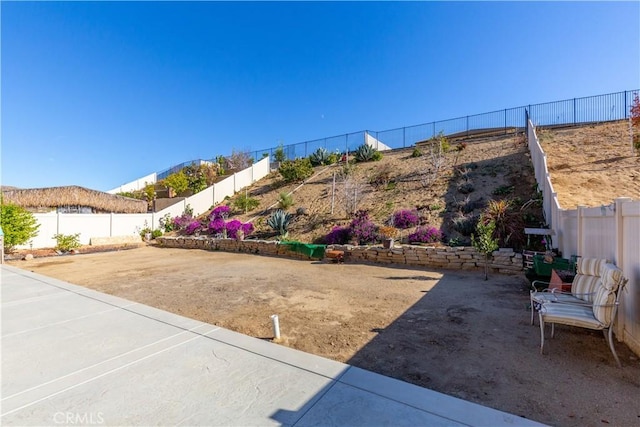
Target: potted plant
388, 235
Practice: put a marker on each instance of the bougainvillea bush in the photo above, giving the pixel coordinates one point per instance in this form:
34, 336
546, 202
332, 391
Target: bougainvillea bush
221, 211
426, 235
362, 229
405, 219
181, 222
217, 226
229, 229
337, 236
192, 227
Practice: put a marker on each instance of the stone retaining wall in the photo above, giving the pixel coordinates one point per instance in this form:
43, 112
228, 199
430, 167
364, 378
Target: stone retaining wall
455, 258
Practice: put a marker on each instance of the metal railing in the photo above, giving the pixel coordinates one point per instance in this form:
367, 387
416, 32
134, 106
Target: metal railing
568, 112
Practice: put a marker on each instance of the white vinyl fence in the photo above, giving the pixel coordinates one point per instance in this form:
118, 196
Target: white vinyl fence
112, 225
609, 231
136, 185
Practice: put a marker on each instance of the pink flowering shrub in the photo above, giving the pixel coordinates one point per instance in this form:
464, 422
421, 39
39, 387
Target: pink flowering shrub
192, 227
363, 229
230, 229
221, 211
337, 236
426, 235
181, 222
405, 219
216, 226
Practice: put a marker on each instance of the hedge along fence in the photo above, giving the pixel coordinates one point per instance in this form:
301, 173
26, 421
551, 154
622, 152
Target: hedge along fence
457, 258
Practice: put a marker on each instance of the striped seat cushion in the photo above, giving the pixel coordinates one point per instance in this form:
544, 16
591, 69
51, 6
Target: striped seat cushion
603, 305
543, 297
611, 277
570, 314
590, 266
584, 286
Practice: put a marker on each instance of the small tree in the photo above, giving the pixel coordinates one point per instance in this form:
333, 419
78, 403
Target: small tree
18, 224
178, 182
196, 177
279, 154
484, 242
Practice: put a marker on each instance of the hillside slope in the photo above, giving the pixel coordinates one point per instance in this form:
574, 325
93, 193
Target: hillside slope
469, 175
589, 166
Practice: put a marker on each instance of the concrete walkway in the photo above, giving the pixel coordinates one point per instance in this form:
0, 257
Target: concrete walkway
73, 356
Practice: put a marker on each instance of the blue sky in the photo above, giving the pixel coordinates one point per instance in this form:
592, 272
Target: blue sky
98, 94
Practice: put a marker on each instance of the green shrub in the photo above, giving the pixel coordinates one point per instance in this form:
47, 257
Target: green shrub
245, 203
18, 224
416, 152
333, 158
279, 221
377, 156
66, 242
156, 233
296, 170
285, 201
166, 223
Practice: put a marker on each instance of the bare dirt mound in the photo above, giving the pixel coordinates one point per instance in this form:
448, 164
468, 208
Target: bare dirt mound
592, 165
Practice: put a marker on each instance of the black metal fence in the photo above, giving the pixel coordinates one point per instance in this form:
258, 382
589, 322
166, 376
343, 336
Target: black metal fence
572, 112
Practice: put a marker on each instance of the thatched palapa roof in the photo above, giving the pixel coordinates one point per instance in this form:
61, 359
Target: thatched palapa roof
73, 195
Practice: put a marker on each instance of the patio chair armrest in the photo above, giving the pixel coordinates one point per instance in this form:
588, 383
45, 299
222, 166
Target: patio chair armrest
535, 288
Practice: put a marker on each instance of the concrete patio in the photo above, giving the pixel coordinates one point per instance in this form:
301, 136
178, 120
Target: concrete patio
71, 355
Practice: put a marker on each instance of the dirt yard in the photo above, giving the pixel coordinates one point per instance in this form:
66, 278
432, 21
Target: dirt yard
449, 331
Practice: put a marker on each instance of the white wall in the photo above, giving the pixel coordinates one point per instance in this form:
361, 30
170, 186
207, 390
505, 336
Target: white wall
138, 184
223, 189
242, 179
375, 143
110, 225
629, 255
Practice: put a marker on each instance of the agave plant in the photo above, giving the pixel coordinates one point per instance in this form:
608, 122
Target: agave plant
364, 153
319, 157
279, 221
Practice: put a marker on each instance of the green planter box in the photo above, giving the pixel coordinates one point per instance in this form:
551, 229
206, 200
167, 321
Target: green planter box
543, 268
